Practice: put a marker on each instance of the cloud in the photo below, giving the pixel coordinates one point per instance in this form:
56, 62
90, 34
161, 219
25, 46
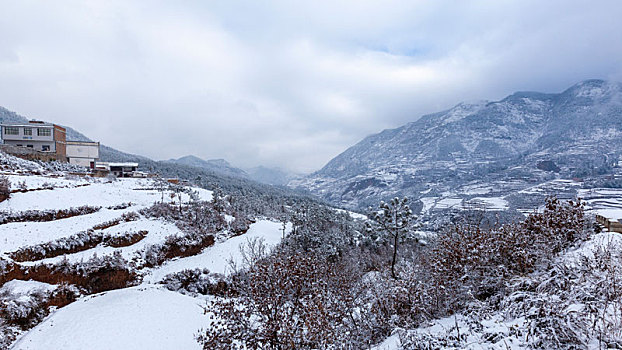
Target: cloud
284, 83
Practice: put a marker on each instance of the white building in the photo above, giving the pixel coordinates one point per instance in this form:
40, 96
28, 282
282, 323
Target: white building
83, 153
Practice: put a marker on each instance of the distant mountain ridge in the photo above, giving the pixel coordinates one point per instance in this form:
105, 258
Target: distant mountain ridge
271, 176
217, 165
265, 175
7, 116
209, 176
579, 130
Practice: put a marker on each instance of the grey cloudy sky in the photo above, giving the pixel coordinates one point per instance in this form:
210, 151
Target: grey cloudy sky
285, 83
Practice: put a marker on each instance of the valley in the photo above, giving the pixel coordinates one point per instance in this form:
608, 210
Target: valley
508, 225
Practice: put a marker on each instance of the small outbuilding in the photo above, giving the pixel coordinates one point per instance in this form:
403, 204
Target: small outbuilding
123, 169
81, 153
117, 169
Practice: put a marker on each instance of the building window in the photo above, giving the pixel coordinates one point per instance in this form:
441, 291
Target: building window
45, 148
19, 145
44, 132
30, 146
11, 130
28, 131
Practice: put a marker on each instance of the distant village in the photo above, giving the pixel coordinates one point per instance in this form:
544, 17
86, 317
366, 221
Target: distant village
37, 140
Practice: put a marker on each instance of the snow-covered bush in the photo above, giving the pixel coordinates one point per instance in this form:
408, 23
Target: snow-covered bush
124, 240
78, 242
120, 206
92, 276
5, 188
322, 230
25, 311
96, 275
196, 218
285, 301
174, 246
572, 303
9, 162
468, 262
56, 166
197, 281
239, 225
46, 215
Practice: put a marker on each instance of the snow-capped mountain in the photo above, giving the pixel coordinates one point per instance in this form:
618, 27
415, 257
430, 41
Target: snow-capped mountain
523, 139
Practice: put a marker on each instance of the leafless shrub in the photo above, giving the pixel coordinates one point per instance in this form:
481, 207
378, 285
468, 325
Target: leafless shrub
5, 188
174, 246
471, 263
196, 281
46, 215
285, 301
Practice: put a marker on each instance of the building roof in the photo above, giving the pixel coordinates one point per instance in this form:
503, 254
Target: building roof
83, 143
34, 124
124, 164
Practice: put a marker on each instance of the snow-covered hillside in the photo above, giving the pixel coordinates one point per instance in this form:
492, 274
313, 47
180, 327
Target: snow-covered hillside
508, 145
554, 305
143, 317
54, 219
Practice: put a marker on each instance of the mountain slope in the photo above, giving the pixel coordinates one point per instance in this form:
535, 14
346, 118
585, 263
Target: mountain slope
7, 116
220, 166
578, 130
214, 174
271, 176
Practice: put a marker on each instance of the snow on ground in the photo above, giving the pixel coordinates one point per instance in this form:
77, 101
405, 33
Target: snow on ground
391, 343
614, 214
599, 240
34, 182
477, 189
428, 203
216, 257
435, 203
473, 339
145, 317
553, 186
22, 234
603, 201
18, 287
204, 195
102, 193
158, 231
352, 214
98, 194
489, 203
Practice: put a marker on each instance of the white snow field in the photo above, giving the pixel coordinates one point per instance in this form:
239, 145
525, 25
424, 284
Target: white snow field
158, 231
18, 287
100, 192
603, 201
216, 258
145, 317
